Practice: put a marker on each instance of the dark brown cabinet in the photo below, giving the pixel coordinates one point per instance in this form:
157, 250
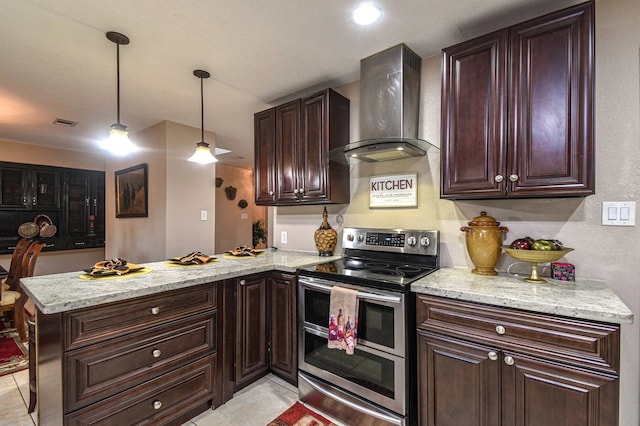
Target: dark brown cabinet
28, 187
151, 360
282, 325
71, 199
265, 328
251, 329
517, 110
292, 144
85, 207
483, 365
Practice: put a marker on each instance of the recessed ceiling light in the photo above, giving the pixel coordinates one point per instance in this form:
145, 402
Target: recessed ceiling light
366, 13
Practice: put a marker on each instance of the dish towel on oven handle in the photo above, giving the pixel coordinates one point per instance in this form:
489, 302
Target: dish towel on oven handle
343, 321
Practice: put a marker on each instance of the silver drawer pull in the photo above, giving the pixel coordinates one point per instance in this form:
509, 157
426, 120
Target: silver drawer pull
500, 329
155, 310
156, 353
492, 356
157, 404
508, 360
242, 282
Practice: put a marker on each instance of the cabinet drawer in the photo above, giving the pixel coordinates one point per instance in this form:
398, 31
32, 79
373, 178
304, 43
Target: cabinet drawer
181, 393
91, 325
581, 342
99, 371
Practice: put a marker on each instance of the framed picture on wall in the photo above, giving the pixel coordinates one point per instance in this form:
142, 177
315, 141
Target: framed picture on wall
131, 192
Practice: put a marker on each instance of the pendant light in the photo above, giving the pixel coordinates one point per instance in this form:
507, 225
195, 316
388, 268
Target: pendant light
118, 142
203, 153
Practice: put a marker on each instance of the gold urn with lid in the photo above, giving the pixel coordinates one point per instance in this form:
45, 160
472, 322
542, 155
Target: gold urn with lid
484, 241
326, 238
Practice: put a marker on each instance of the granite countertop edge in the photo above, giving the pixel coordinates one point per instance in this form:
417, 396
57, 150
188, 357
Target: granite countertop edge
64, 292
584, 299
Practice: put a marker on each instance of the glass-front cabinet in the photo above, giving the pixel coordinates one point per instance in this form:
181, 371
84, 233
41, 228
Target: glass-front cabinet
72, 200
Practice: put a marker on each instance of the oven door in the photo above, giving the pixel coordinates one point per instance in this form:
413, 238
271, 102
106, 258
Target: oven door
376, 370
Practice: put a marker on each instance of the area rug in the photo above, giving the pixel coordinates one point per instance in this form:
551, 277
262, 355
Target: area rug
14, 355
299, 415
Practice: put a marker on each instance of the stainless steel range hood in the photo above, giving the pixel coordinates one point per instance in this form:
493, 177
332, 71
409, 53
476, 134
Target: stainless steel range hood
389, 107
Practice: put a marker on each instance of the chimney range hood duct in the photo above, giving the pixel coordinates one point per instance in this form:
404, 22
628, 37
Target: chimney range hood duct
389, 108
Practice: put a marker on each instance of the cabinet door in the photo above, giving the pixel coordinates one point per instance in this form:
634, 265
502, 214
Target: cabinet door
287, 152
78, 201
45, 188
264, 127
314, 148
251, 329
282, 325
474, 118
551, 100
459, 382
538, 392
14, 187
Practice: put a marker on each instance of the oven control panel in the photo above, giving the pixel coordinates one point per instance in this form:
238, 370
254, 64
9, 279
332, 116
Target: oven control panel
392, 240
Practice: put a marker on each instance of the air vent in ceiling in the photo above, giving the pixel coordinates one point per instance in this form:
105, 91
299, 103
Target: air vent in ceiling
65, 123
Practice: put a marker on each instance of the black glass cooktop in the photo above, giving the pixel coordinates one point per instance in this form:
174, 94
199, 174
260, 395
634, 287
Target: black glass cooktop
370, 272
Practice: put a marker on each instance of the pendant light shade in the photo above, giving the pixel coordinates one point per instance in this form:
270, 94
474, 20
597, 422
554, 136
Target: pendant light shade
118, 142
203, 153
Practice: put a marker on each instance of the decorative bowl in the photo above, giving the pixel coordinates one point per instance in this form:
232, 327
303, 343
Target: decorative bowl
534, 257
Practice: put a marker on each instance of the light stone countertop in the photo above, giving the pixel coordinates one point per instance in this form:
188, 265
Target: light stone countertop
65, 292
585, 299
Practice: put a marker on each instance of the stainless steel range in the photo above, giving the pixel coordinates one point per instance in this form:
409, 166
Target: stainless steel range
377, 384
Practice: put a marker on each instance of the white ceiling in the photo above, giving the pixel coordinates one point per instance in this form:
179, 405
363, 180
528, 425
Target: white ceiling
57, 63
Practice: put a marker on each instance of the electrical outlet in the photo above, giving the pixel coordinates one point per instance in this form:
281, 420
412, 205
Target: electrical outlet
283, 237
244, 216
203, 215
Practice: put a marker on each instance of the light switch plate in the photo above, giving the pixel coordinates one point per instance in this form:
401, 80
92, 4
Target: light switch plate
283, 237
203, 215
619, 213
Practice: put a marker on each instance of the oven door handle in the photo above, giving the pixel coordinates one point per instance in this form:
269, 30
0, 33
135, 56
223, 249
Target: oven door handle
360, 294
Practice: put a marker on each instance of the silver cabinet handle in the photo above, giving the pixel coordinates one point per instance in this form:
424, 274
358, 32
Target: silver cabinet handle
499, 178
24, 201
295, 191
513, 178
157, 404
155, 310
492, 356
500, 329
301, 190
509, 360
270, 192
156, 353
242, 282
34, 200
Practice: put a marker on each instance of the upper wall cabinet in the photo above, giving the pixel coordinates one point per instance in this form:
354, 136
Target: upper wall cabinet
27, 187
517, 110
292, 144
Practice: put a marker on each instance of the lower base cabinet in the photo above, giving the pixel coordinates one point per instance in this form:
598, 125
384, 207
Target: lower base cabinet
482, 365
149, 360
263, 310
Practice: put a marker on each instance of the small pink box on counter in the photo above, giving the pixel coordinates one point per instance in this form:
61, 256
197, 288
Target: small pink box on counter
563, 271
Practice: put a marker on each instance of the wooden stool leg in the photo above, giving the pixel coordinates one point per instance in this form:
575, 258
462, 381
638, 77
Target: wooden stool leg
33, 396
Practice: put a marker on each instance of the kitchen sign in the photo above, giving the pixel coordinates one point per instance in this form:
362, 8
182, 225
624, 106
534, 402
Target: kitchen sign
393, 191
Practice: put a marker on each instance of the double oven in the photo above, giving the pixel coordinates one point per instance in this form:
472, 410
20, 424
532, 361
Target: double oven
377, 384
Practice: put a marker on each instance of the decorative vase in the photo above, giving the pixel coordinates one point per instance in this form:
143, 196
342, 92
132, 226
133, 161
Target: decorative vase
484, 241
325, 237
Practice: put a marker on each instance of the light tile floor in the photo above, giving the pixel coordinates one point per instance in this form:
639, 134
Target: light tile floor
256, 405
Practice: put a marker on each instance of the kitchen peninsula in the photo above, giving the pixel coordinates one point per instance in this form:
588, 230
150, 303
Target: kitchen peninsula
151, 346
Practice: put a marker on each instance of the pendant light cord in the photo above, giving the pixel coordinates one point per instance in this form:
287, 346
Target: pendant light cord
202, 107
118, 77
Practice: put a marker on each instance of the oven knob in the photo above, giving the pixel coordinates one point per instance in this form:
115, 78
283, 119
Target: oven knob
411, 241
349, 237
424, 241
360, 238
